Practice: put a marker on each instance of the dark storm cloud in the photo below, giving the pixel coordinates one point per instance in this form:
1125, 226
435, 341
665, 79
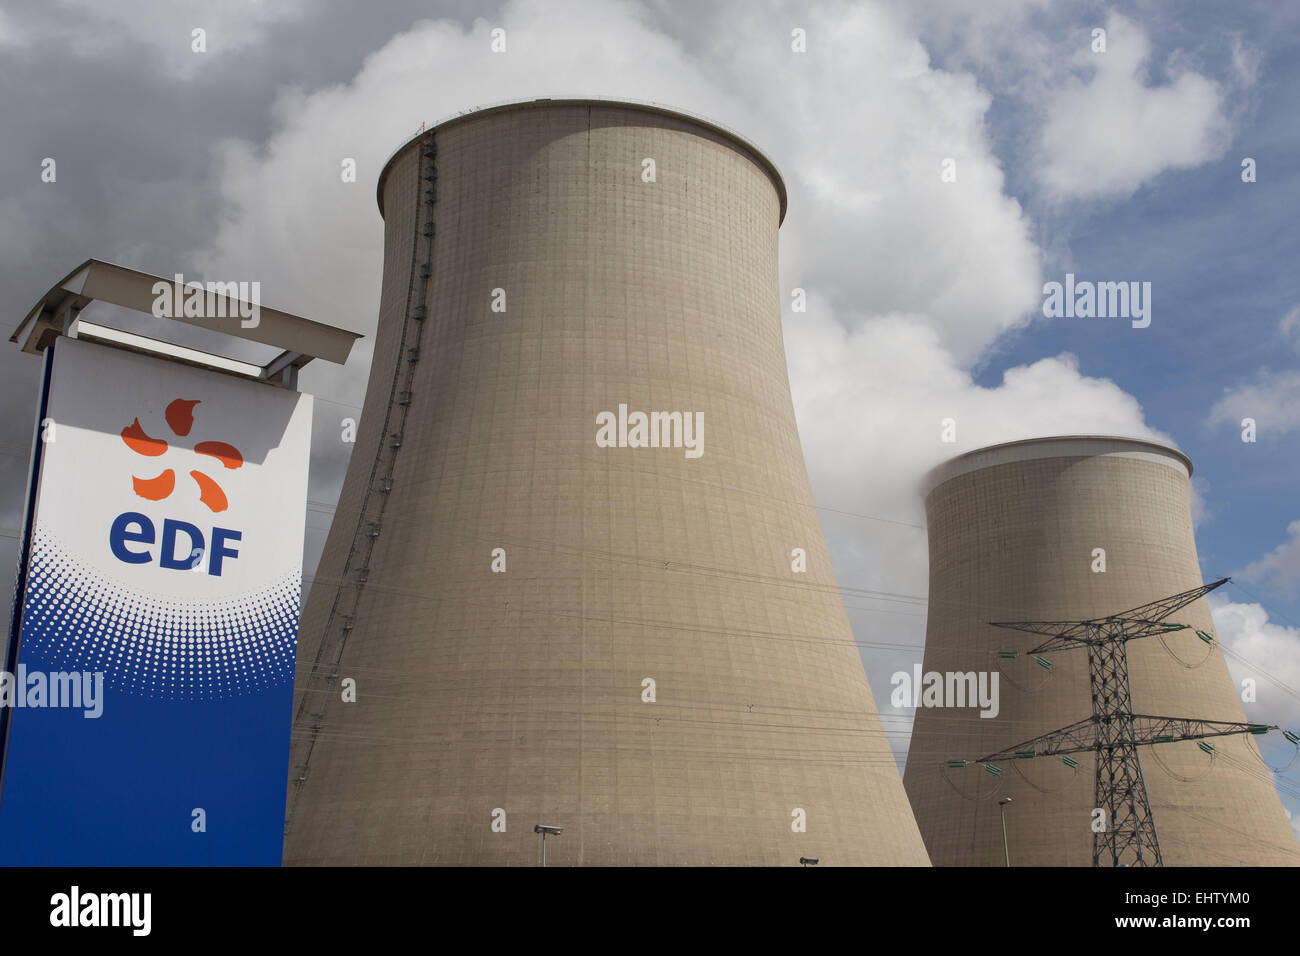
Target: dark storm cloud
134, 141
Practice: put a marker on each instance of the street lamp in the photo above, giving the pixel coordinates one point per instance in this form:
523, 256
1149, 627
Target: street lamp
544, 830
1002, 809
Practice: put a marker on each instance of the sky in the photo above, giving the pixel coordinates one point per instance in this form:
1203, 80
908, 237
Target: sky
925, 297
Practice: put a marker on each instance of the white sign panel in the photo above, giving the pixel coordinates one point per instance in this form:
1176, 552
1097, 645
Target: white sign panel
169, 526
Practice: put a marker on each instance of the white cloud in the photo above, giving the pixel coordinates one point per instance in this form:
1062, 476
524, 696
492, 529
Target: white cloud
1273, 402
1201, 511
994, 36
884, 388
1273, 653
1109, 133
1289, 327
863, 170
1246, 61
1281, 566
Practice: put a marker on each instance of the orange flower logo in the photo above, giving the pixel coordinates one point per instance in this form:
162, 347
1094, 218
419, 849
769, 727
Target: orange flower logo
180, 417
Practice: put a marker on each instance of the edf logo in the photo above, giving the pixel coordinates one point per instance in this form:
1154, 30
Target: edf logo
132, 527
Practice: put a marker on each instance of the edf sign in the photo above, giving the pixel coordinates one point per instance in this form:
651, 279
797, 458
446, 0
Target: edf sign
152, 467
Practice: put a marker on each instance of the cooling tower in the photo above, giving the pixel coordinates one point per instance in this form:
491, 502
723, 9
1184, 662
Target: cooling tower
563, 572
1013, 536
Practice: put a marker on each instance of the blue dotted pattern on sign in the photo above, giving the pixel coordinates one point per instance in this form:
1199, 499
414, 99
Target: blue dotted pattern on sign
155, 646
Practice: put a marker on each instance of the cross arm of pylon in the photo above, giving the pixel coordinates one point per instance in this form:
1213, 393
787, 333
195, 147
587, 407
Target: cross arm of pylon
1068, 633
1116, 629
1082, 736
1075, 738
1163, 730
1161, 609
1147, 620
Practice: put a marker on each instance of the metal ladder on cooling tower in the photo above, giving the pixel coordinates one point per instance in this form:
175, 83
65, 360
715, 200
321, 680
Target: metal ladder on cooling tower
317, 683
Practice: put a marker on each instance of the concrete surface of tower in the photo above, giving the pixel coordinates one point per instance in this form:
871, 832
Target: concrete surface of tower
551, 616
1014, 531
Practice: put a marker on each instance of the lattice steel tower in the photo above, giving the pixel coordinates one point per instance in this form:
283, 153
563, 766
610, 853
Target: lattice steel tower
1125, 833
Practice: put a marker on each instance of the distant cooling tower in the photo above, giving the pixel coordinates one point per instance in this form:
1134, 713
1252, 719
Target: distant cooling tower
1013, 536
562, 569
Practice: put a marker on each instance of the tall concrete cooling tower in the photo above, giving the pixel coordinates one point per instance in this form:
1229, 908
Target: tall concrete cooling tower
1013, 530
555, 611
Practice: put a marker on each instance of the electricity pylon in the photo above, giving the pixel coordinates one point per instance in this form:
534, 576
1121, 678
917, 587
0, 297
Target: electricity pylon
1113, 732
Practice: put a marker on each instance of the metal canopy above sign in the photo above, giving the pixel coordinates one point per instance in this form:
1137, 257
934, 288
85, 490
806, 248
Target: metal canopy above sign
95, 280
